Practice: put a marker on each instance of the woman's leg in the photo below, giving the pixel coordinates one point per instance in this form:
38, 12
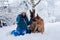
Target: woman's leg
23, 31
28, 30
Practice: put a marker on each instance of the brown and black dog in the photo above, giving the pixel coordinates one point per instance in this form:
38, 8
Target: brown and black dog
37, 24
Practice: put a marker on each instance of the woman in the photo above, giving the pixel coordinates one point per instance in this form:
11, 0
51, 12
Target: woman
22, 23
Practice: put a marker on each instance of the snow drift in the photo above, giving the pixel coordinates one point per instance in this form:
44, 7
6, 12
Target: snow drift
52, 32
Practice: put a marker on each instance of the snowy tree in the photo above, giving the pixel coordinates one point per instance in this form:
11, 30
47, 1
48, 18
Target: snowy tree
9, 10
34, 4
50, 11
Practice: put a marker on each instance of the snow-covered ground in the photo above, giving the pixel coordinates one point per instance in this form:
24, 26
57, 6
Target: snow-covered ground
47, 9
52, 32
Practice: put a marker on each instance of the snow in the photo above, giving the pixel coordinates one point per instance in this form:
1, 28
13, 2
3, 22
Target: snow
52, 32
47, 9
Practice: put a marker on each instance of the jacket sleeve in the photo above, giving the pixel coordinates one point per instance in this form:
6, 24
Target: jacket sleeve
29, 22
18, 19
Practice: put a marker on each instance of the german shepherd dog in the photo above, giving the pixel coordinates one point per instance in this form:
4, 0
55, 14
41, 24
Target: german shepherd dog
37, 23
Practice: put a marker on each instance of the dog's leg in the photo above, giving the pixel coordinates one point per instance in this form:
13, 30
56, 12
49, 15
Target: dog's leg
42, 28
39, 28
35, 27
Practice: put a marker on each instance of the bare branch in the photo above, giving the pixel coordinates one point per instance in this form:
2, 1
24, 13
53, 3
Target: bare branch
37, 3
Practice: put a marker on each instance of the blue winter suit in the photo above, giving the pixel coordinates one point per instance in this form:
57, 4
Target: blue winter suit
22, 23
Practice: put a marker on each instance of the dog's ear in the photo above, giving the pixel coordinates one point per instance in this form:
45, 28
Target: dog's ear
33, 11
30, 12
38, 16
